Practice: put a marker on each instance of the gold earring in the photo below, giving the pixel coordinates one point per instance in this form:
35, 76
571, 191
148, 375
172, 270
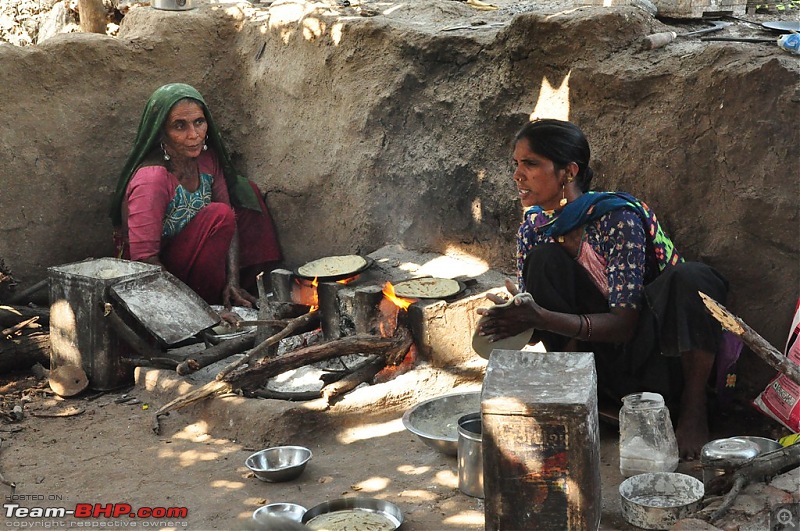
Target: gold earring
563, 201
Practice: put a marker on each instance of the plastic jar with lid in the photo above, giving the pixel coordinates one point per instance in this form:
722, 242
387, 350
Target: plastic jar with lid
646, 439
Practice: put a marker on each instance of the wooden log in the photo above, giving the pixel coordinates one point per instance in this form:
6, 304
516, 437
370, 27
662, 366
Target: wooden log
255, 376
11, 315
263, 348
364, 373
23, 352
760, 346
23, 295
223, 350
759, 468
19, 326
131, 338
291, 396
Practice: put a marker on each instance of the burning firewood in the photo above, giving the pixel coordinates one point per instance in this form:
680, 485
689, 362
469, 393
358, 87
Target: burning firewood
254, 376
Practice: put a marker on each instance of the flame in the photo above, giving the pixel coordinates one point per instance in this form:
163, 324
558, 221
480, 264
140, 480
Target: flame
347, 280
315, 297
400, 302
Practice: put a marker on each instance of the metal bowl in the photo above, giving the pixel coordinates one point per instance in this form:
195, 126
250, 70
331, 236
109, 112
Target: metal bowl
280, 463
389, 516
291, 511
765, 445
657, 500
435, 421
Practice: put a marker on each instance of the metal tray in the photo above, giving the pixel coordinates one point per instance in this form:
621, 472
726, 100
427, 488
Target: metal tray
784, 26
333, 278
370, 505
165, 306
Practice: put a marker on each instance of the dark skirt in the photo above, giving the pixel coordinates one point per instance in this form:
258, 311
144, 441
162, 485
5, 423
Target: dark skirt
673, 320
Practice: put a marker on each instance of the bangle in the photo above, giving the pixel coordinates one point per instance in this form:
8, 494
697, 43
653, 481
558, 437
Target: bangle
580, 327
588, 327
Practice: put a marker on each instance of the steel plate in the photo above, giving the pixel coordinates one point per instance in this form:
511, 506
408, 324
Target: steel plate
372, 505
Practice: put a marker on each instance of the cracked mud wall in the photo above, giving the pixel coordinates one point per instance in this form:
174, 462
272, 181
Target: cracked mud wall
366, 131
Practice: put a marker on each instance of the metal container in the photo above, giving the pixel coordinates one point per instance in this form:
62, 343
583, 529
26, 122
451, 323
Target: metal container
657, 500
279, 463
358, 512
172, 5
435, 421
724, 456
291, 511
470, 455
79, 333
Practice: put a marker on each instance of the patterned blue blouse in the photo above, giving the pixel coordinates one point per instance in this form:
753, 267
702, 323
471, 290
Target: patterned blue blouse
618, 237
184, 205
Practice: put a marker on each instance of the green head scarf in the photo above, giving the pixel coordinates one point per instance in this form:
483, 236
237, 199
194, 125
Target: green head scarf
149, 135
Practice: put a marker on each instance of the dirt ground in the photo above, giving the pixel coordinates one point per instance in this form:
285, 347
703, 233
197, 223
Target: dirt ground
105, 452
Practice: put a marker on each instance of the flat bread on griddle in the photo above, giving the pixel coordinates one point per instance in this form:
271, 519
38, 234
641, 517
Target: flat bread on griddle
332, 266
427, 288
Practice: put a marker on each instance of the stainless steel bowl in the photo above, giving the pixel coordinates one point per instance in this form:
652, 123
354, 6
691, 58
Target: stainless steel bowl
291, 511
435, 421
657, 500
280, 463
392, 515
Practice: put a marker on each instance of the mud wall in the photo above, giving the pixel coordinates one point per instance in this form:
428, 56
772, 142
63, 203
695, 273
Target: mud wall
366, 131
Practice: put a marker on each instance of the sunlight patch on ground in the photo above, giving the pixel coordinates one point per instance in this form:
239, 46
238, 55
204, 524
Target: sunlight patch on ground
197, 432
419, 495
230, 485
465, 518
447, 478
375, 484
413, 470
189, 457
370, 431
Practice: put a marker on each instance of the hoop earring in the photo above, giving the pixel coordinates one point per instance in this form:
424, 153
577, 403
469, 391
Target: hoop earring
163, 149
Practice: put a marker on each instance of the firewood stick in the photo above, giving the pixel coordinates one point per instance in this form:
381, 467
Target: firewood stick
261, 348
257, 374
760, 467
296, 396
772, 356
19, 326
216, 353
263, 322
27, 292
364, 373
129, 336
11, 315
159, 363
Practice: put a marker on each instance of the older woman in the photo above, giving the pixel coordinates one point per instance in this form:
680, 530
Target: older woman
605, 278
180, 203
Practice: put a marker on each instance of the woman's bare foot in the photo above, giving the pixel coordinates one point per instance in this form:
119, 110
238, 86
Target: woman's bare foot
692, 429
692, 433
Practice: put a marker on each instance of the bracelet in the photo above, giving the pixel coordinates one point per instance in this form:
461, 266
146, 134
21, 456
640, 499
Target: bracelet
580, 328
588, 327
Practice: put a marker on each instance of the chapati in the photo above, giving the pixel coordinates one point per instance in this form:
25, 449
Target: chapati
427, 288
332, 266
483, 347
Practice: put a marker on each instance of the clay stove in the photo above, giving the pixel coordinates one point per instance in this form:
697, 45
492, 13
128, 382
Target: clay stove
442, 329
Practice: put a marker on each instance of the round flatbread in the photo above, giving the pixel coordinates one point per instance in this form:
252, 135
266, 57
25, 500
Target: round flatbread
427, 288
483, 347
332, 266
